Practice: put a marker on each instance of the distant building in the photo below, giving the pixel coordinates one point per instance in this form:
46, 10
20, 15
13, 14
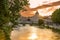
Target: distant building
48, 20
29, 20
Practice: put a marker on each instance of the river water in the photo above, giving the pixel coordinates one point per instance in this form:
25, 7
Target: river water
33, 33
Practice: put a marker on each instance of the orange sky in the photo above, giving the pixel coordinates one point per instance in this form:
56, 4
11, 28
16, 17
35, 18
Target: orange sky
42, 7
35, 3
45, 11
28, 13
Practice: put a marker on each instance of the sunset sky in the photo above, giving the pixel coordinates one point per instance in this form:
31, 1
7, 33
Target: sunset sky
41, 6
45, 11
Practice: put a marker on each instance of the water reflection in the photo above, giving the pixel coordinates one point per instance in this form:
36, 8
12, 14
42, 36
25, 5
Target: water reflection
32, 33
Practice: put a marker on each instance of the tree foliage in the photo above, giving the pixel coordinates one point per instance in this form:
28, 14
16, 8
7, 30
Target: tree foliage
9, 10
56, 16
2, 36
9, 14
40, 22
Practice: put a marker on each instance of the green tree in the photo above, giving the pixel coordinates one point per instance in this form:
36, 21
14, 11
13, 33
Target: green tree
9, 14
56, 16
40, 22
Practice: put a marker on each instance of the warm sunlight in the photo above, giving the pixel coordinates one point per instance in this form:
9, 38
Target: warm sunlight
35, 3
33, 35
45, 11
27, 13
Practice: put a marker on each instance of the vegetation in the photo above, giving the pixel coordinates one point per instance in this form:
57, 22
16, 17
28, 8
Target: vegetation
53, 29
40, 22
9, 14
2, 36
56, 16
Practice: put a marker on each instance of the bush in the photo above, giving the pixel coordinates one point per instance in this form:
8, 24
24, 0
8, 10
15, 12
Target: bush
40, 22
2, 36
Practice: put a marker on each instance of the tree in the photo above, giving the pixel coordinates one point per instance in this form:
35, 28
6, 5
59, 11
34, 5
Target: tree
9, 14
56, 16
40, 22
2, 36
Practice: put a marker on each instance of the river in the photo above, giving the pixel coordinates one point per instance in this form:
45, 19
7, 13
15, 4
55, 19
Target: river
33, 33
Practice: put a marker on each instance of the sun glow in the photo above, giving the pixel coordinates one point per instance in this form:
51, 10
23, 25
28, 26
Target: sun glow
46, 11
33, 35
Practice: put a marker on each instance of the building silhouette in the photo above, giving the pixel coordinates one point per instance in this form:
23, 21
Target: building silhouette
29, 20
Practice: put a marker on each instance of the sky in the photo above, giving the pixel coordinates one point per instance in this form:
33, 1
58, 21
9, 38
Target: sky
45, 11
35, 3
41, 6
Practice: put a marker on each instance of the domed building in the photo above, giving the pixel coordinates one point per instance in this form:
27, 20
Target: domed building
28, 18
